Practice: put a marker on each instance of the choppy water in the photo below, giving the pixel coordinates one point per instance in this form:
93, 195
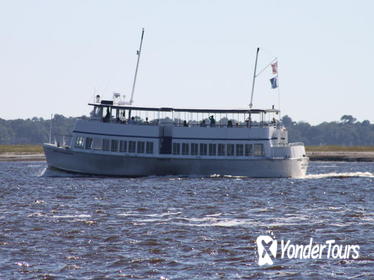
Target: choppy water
181, 228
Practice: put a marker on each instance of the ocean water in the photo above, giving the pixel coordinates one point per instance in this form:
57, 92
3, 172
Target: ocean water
58, 226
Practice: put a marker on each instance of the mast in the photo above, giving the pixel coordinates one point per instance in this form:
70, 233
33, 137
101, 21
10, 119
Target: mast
50, 130
138, 53
254, 79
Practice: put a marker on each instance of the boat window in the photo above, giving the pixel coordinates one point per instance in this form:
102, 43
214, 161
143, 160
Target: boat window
176, 148
123, 146
230, 149
258, 149
248, 149
221, 150
114, 146
203, 149
106, 144
140, 147
239, 150
79, 142
149, 148
185, 150
97, 143
194, 149
212, 149
132, 146
88, 145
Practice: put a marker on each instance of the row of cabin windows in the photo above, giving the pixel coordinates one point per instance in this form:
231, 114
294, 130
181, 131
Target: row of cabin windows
141, 147
113, 145
203, 149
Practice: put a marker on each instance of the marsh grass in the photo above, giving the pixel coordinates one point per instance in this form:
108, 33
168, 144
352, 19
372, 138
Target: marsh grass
339, 148
32, 149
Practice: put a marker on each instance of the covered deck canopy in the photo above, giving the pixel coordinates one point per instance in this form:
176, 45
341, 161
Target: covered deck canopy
105, 103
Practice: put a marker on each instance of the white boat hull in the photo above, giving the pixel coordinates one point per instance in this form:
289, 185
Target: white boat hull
130, 165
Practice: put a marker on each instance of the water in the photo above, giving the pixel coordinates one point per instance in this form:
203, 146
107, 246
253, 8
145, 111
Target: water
70, 227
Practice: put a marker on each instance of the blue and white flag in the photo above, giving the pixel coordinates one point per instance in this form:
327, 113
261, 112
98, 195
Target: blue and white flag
274, 82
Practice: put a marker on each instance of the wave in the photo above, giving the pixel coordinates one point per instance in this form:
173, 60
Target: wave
51, 172
341, 175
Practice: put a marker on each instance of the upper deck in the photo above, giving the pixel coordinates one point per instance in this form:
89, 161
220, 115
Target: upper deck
107, 111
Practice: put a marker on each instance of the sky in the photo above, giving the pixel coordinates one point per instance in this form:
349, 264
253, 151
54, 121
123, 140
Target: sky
56, 55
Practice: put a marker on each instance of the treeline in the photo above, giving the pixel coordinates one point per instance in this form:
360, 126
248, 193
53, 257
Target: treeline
346, 132
35, 130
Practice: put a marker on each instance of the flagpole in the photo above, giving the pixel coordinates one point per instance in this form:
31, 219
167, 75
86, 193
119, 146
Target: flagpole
138, 52
254, 79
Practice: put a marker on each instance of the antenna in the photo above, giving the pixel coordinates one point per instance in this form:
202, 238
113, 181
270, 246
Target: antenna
254, 79
138, 53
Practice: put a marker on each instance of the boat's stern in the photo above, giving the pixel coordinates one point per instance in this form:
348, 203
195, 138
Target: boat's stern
292, 152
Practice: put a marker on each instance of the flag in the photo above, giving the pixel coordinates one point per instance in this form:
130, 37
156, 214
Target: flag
274, 82
274, 67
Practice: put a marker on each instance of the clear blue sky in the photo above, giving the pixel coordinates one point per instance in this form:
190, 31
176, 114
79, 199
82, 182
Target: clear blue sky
55, 54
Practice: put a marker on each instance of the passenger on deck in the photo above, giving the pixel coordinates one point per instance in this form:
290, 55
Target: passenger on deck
212, 121
229, 123
185, 123
107, 116
202, 124
132, 120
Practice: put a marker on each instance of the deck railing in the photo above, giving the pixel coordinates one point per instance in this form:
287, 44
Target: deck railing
192, 123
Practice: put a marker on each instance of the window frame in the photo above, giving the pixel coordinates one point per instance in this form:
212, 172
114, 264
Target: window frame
203, 151
185, 149
132, 147
212, 149
149, 147
140, 147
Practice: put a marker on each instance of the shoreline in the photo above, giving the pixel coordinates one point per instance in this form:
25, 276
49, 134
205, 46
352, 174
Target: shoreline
14, 156
349, 156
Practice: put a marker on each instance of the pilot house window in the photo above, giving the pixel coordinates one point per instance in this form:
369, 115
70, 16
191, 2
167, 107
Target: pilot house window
79, 142
88, 145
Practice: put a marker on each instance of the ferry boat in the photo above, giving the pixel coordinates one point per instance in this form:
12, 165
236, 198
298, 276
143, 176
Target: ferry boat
119, 139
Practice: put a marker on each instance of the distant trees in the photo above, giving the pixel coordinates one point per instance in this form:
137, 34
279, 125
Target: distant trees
347, 132
348, 119
33, 131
